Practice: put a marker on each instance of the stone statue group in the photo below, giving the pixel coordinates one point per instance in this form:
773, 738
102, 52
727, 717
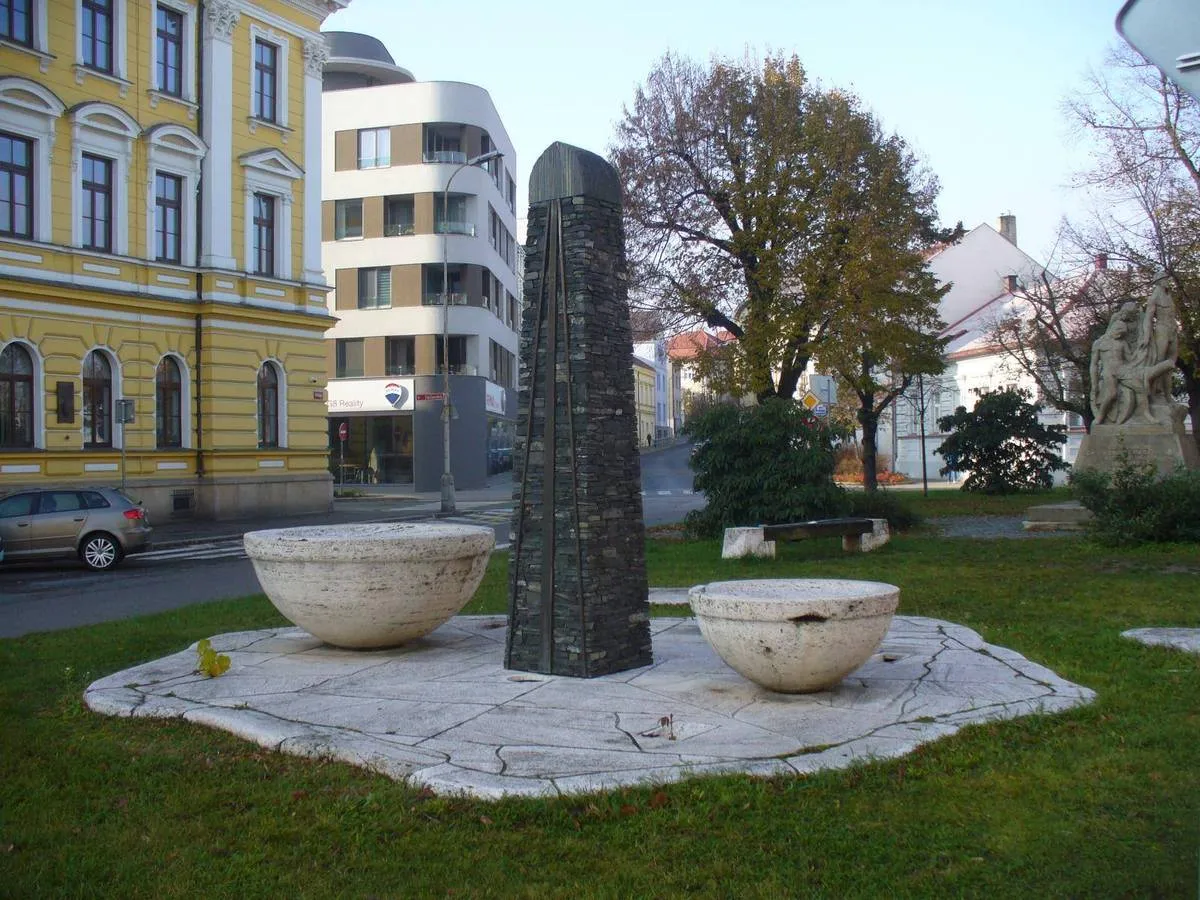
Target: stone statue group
1132, 363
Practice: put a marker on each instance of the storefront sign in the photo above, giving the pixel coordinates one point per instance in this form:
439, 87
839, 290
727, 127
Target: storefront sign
493, 398
370, 395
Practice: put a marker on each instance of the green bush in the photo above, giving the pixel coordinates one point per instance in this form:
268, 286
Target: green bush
883, 505
1134, 505
761, 465
1002, 444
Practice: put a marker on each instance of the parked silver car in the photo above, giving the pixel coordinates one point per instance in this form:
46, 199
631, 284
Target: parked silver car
99, 525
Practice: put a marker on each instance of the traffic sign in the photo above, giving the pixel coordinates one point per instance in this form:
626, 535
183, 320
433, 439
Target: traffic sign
436, 395
1166, 32
820, 410
343, 431
810, 400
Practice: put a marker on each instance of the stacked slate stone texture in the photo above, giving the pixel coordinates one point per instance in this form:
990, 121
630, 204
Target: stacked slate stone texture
578, 594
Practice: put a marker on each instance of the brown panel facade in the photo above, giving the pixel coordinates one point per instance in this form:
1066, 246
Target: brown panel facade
345, 282
406, 285
423, 213
373, 357
345, 150
407, 144
372, 217
426, 354
327, 219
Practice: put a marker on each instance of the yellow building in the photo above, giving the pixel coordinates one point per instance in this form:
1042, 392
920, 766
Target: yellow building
643, 387
162, 302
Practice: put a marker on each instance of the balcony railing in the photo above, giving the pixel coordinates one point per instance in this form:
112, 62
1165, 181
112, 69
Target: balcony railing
401, 370
434, 298
451, 227
444, 156
396, 229
459, 369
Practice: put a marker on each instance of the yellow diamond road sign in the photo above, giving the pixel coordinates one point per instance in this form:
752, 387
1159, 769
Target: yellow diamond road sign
810, 400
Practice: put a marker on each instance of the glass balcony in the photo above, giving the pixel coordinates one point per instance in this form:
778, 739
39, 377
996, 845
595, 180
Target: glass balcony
396, 229
458, 369
393, 369
435, 299
453, 227
444, 156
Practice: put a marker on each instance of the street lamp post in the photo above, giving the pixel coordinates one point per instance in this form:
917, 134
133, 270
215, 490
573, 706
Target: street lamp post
448, 504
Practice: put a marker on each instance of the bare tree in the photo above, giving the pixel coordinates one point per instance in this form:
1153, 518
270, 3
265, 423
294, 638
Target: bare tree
1146, 188
1048, 329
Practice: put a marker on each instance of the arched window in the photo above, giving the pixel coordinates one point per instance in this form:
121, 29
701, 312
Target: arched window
16, 398
268, 406
97, 400
168, 410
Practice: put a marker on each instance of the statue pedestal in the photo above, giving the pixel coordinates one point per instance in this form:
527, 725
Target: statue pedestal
1167, 449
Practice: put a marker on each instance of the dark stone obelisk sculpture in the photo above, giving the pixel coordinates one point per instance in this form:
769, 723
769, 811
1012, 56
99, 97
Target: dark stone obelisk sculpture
577, 593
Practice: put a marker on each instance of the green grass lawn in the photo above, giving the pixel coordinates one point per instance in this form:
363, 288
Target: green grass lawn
1103, 801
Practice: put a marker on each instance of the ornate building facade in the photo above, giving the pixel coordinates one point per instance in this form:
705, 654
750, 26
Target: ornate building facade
162, 301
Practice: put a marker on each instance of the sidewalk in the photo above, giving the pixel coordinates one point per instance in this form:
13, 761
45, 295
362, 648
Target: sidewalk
366, 503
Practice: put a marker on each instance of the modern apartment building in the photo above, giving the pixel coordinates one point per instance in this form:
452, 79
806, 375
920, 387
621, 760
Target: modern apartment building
411, 219
162, 302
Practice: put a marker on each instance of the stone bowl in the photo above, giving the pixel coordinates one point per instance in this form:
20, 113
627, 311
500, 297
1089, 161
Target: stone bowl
370, 585
795, 635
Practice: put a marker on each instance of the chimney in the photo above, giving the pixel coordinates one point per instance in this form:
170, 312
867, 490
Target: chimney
1010, 283
1007, 226
1101, 261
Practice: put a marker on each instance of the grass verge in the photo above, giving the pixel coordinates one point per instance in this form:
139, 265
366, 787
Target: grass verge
1102, 801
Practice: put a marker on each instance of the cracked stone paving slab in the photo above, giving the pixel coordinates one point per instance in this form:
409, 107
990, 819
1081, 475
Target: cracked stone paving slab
444, 713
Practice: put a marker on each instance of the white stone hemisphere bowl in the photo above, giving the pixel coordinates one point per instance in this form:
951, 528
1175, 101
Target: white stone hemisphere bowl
370, 585
794, 635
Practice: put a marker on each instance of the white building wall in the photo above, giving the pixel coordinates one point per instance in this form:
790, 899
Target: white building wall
975, 269
417, 103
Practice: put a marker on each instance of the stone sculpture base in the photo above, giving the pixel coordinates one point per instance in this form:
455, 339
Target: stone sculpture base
1166, 449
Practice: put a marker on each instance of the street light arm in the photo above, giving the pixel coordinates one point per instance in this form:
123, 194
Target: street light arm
448, 502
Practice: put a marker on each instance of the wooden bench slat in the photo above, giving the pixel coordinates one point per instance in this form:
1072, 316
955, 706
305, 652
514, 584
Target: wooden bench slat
817, 528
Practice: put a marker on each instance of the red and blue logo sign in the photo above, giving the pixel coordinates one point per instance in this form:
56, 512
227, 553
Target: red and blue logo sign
395, 394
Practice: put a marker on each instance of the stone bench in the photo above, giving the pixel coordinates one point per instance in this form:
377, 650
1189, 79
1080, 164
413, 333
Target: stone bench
858, 534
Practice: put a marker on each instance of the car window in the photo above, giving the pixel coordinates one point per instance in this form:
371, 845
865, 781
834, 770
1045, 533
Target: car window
92, 500
59, 501
16, 505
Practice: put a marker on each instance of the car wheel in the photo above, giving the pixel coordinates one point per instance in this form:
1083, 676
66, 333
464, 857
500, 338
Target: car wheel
100, 551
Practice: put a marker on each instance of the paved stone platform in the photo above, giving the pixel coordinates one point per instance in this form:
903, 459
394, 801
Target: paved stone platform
1185, 639
444, 713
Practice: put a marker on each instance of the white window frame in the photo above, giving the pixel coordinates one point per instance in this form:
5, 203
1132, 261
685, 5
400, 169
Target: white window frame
375, 163
31, 111
114, 364
39, 394
338, 206
270, 172
281, 401
280, 40
174, 150
41, 42
101, 129
188, 75
185, 401
120, 25
363, 276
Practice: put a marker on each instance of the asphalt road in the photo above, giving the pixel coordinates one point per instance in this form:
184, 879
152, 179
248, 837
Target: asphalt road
52, 596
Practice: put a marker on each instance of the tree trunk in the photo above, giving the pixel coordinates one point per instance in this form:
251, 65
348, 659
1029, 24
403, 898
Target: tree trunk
870, 450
